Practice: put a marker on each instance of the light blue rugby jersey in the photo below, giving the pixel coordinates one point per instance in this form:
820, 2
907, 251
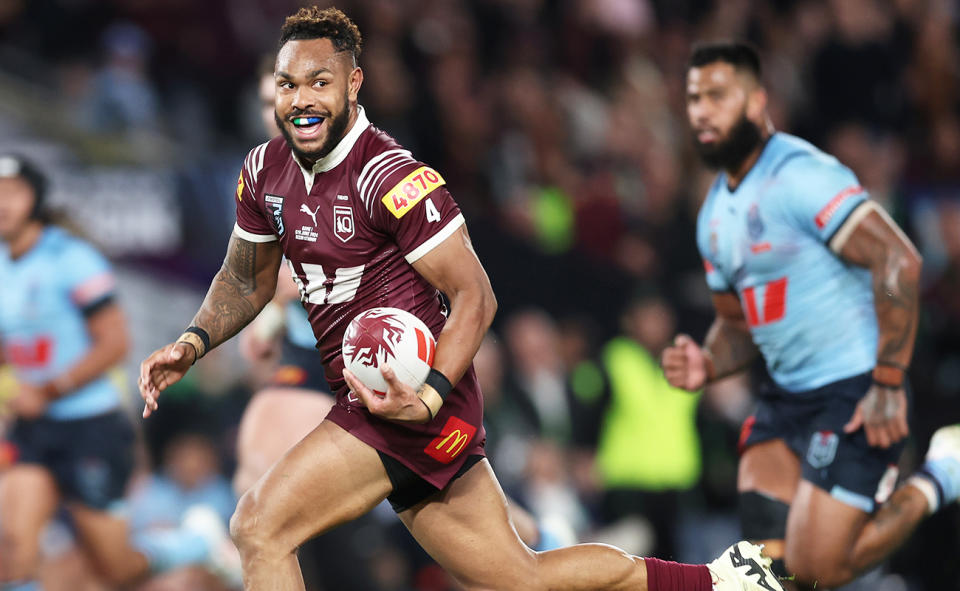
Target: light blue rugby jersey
810, 313
42, 327
299, 330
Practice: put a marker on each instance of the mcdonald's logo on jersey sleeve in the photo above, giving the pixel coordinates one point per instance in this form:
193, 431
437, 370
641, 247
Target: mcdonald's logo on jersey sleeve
453, 439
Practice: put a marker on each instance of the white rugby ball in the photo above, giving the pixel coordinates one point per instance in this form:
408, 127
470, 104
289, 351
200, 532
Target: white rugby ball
388, 336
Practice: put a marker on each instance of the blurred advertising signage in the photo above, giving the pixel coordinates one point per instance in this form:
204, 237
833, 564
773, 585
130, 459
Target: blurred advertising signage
127, 212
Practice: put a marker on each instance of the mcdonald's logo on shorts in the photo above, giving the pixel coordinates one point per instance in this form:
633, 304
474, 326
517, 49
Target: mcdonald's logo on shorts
453, 439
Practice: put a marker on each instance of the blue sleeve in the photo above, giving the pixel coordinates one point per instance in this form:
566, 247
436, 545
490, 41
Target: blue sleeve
715, 279
87, 276
821, 194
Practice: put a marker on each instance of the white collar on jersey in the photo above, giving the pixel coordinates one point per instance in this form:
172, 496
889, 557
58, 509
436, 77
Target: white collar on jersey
339, 152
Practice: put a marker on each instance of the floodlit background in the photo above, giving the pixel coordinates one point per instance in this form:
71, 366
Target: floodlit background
560, 129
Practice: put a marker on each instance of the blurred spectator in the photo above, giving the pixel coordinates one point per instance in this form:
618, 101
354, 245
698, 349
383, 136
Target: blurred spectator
189, 477
122, 97
537, 376
648, 451
190, 474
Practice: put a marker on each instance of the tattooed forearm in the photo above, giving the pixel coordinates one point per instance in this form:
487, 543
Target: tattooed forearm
227, 308
731, 346
896, 302
244, 284
879, 245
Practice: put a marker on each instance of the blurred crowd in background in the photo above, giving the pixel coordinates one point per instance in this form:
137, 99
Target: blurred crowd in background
560, 128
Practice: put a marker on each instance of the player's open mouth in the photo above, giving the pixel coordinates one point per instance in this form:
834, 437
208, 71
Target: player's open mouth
707, 136
307, 127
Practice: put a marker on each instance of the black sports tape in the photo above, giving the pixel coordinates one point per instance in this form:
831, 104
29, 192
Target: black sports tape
762, 517
203, 336
439, 382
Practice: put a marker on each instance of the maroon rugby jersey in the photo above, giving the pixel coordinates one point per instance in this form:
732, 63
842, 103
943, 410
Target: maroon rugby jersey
350, 229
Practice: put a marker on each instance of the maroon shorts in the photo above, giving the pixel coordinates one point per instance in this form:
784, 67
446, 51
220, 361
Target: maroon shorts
436, 450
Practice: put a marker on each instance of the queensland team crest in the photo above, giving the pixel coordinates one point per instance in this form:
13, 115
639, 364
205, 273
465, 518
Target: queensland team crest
275, 209
823, 449
754, 223
343, 222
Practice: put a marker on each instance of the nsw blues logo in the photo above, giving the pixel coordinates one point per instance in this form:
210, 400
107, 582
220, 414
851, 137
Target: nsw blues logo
275, 209
755, 226
823, 449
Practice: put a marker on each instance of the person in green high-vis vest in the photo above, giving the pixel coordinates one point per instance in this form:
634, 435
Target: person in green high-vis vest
647, 447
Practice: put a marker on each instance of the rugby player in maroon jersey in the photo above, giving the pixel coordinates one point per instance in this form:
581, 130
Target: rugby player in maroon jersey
364, 224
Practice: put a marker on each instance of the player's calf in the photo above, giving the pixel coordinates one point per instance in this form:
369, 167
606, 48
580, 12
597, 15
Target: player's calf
763, 520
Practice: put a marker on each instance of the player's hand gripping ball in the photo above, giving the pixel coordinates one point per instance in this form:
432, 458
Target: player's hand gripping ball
388, 336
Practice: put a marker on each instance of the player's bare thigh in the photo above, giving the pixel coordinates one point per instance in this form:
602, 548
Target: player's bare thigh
769, 467
273, 422
329, 477
28, 499
466, 529
821, 532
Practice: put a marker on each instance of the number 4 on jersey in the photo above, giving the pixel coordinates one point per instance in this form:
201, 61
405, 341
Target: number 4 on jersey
774, 302
432, 214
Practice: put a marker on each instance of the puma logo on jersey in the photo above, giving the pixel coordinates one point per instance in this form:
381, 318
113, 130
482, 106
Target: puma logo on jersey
312, 214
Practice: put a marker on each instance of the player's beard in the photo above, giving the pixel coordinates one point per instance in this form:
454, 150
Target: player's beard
336, 129
729, 154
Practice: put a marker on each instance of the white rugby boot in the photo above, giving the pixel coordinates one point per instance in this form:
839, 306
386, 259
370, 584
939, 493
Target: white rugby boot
942, 466
743, 567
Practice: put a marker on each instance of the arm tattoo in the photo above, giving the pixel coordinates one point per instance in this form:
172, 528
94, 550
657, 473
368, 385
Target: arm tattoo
731, 346
895, 270
242, 263
235, 296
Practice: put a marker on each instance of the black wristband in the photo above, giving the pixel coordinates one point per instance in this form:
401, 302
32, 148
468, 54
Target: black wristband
204, 337
438, 382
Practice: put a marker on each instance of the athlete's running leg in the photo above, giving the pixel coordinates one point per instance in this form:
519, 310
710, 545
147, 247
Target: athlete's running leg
767, 480
466, 529
829, 542
328, 478
28, 500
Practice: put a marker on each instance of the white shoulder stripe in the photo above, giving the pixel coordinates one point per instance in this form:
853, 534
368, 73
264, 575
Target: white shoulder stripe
372, 163
261, 150
250, 236
246, 166
373, 188
253, 164
435, 240
385, 164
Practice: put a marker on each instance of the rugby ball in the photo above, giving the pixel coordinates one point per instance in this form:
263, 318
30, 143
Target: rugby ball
388, 336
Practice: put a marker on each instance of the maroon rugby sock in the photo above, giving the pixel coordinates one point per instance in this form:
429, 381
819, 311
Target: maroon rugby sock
673, 576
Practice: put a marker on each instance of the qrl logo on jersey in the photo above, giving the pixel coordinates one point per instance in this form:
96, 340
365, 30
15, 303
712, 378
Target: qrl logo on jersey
343, 222
453, 439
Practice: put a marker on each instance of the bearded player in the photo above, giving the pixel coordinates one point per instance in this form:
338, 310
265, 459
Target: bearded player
364, 224
810, 274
